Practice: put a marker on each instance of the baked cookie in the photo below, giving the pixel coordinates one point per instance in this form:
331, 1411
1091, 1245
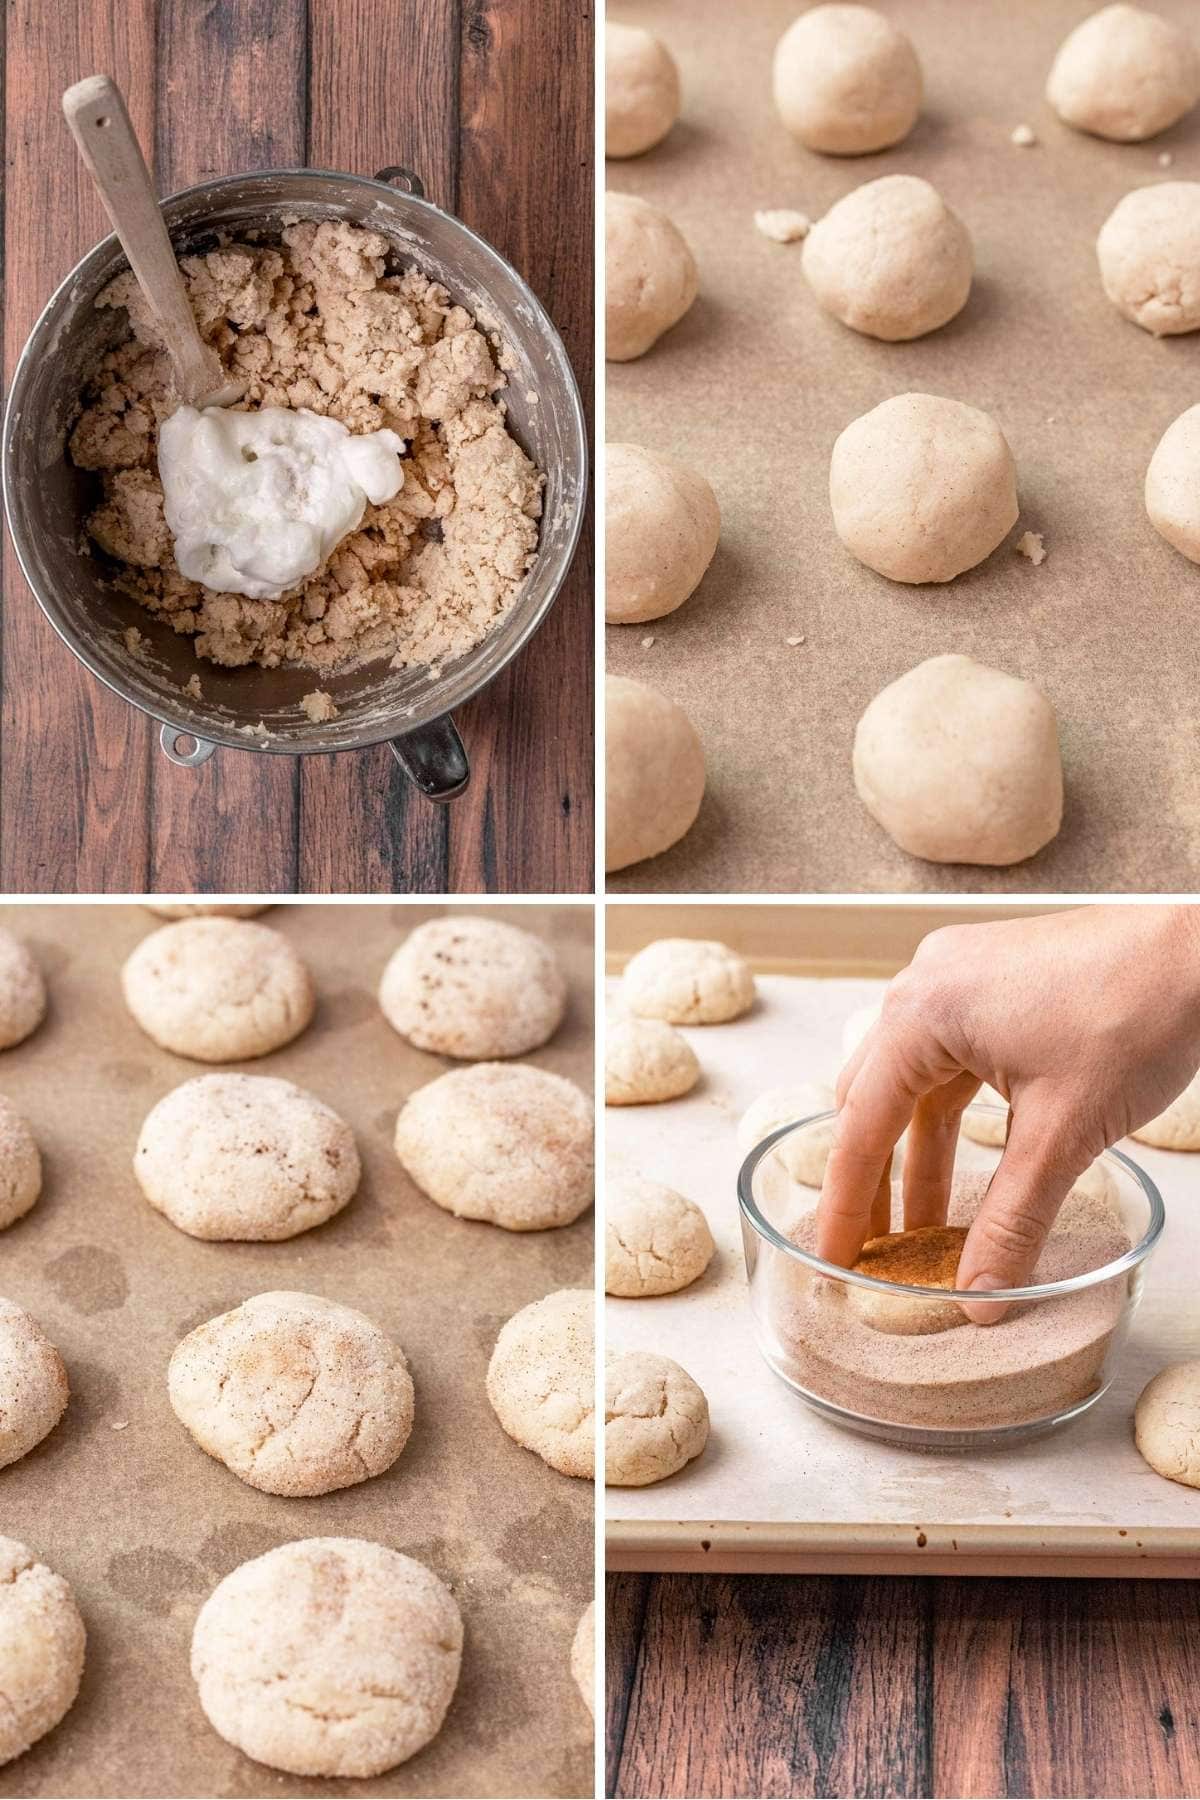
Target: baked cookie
218, 990
655, 1241
541, 1379
41, 1649
655, 1419
1178, 1128
987, 1128
503, 1142
688, 981
245, 1156
805, 1153
473, 988
1166, 1423
20, 1166
926, 1257
22, 992
583, 1657
645, 1061
33, 1385
328, 1656
205, 909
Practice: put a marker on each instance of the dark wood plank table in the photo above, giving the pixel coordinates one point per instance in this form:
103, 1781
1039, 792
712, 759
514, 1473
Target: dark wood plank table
490, 101
840, 1685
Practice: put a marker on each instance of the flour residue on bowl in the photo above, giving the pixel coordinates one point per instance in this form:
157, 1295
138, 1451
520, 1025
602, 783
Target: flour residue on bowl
317, 321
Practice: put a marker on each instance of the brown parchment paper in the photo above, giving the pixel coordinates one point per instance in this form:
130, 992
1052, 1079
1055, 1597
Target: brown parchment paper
140, 1521
756, 383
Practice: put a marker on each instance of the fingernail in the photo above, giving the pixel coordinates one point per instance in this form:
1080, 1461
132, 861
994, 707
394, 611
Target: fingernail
983, 1312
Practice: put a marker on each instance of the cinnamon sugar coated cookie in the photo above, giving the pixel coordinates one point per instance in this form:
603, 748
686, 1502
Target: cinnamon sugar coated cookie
33, 1384
583, 1657
655, 1241
42, 1642
20, 1165
502, 1142
473, 987
245, 1156
22, 992
646, 1061
541, 1380
803, 1153
1166, 1423
328, 1656
655, 1419
1178, 1127
218, 990
688, 981
294, 1393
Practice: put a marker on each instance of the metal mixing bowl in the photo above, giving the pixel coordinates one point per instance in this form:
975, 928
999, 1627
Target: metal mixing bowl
46, 498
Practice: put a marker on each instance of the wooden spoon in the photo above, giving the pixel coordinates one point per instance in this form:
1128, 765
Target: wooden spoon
100, 124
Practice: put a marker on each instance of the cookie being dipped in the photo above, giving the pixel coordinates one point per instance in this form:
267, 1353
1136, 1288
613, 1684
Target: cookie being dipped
926, 1257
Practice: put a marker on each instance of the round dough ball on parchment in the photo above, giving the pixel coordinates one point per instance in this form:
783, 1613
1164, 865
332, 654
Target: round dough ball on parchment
33, 1384
1124, 73
583, 1657
646, 1061
891, 259
328, 1656
654, 772
42, 1642
218, 990
474, 988
1178, 1127
661, 525
688, 981
655, 1240
541, 1380
805, 1153
206, 909
1173, 484
960, 763
846, 80
1166, 1423
641, 90
245, 1157
295, 1394
650, 276
20, 1167
1149, 255
502, 1142
22, 992
655, 1419
922, 488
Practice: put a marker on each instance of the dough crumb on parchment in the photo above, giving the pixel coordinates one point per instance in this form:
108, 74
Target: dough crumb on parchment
1031, 544
1023, 136
782, 225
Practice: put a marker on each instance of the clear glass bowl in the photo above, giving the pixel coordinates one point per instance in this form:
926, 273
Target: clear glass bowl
902, 1363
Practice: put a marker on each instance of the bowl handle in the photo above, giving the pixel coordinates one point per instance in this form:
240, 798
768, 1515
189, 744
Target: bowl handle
434, 759
404, 179
169, 738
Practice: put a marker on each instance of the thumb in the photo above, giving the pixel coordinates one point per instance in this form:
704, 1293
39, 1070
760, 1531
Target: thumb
1021, 1204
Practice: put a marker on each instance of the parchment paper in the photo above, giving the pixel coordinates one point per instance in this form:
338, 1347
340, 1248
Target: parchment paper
140, 1521
756, 383
770, 1458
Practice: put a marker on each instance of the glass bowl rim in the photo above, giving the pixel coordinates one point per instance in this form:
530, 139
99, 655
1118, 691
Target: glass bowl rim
1136, 1254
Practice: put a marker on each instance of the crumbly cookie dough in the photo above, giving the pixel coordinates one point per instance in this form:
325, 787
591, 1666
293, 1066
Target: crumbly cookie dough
317, 321
803, 1153
42, 1643
646, 1061
583, 1657
33, 1384
655, 1240
294, 1393
503, 1142
541, 1380
328, 1656
246, 1157
1166, 1423
22, 992
1178, 1127
218, 990
688, 981
473, 987
655, 1419
20, 1166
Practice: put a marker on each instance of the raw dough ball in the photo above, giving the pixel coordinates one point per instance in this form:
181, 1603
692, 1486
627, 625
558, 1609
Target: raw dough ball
846, 80
804, 1153
661, 525
1173, 484
927, 1257
1166, 1423
861, 1020
922, 487
328, 1656
473, 987
654, 772
655, 1241
33, 1385
583, 1650
1178, 1128
959, 763
245, 1156
191, 909
646, 1061
890, 259
987, 1128
542, 1376
293, 1393
502, 1142
1149, 252
22, 992
649, 273
641, 90
655, 1419
41, 1649
20, 1169
218, 990
1124, 74
688, 981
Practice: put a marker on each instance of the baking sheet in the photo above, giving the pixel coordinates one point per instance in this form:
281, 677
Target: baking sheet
776, 1483
140, 1521
754, 386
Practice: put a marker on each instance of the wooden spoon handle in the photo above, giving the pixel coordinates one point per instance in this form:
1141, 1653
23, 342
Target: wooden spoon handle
95, 111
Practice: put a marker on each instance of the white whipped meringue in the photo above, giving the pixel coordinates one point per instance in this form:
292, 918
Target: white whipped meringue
257, 500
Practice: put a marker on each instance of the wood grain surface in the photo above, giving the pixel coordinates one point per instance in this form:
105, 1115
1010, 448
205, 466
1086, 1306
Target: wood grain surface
774, 1686
490, 101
